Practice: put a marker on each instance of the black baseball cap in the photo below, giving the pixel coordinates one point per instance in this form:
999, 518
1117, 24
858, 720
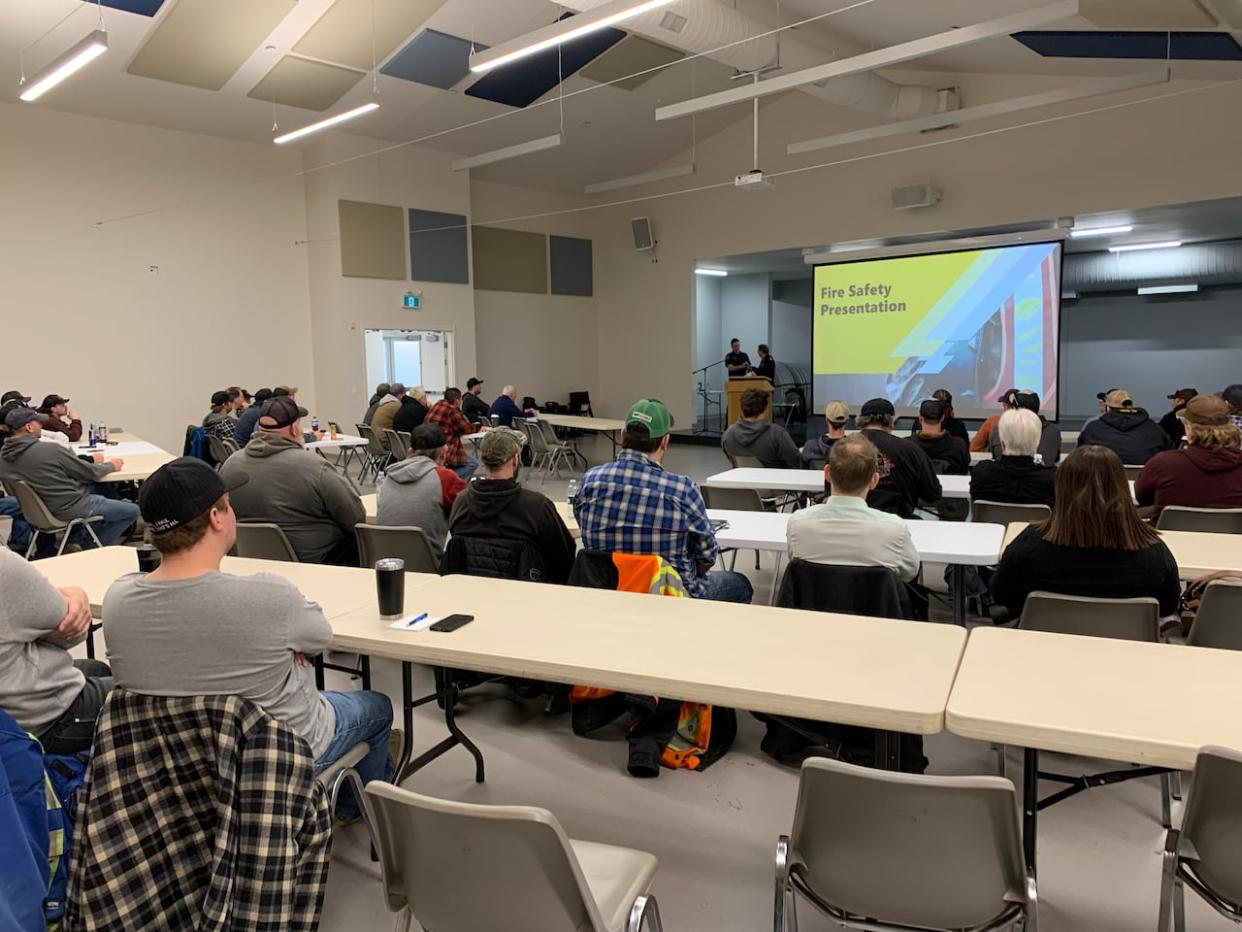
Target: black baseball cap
472, 382
219, 398
180, 491
280, 411
14, 396
19, 416
932, 410
878, 406
427, 437
1026, 400
50, 401
1008, 398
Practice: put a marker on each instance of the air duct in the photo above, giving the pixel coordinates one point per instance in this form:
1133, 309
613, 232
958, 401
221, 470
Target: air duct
1204, 264
703, 25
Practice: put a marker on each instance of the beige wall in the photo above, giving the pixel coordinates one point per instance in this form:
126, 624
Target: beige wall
81, 313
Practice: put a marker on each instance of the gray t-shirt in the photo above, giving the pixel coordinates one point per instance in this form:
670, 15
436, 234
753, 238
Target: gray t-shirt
218, 634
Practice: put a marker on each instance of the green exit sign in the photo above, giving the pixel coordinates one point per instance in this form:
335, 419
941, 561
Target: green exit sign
412, 301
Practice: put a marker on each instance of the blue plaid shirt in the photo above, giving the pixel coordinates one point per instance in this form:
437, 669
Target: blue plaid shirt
633, 506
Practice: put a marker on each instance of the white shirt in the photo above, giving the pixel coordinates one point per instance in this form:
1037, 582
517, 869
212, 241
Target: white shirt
847, 532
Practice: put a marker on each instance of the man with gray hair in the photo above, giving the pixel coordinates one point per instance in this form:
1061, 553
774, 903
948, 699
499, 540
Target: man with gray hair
1015, 478
506, 407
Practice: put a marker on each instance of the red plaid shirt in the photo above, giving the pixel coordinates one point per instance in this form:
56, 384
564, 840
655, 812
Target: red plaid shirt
454, 425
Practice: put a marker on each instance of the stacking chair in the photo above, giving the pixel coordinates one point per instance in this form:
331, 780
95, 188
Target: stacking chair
985, 512
344, 770
559, 451
741, 461
376, 456
264, 542
42, 521
462, 867
580, 404
1219, 620
1132, 472
1213, 520
377, 543
219, 450
398, 444
1206, 852
735, 500
880, 850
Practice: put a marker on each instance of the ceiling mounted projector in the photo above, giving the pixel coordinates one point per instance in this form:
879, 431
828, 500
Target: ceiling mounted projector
754, 180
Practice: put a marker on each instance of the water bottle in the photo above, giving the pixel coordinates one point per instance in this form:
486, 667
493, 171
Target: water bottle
315, 424
571, 490
90, 435
379, 479
103, 432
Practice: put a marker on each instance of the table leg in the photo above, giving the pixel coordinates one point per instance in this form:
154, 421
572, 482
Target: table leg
407, 719
1030, 805
959, 594
888, 750
776, 577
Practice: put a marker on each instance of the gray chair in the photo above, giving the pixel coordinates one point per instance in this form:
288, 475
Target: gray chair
878, 850
344, 770
1219, 620
741, 461
462, 867
1206, 853
1211, 520
734, 500
398, 444
560, 450
42, 521
376, 456
985, 512
263, 542
377, 543
1132, 472
219, 449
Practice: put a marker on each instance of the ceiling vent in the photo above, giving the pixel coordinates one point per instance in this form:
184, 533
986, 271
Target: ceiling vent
673, 23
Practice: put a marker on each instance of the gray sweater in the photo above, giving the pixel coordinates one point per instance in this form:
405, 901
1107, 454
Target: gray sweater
411, 495
38, 680
767, 442
62, 480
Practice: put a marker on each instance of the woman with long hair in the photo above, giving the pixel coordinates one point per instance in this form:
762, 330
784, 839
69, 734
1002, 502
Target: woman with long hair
1095, 543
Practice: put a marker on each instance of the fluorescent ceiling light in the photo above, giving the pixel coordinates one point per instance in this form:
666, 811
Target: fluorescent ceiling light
881, 58
75, 59
956, 117
632, 181
712, 273
1100, 231
1169, 289
565, 30
324, 124
509, 152
1136, 247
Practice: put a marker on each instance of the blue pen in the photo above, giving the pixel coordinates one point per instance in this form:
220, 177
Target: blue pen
413, 621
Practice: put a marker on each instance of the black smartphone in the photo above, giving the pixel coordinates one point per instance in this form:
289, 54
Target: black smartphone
452, 622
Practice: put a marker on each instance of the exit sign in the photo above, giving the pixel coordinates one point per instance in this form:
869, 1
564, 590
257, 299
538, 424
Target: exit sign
412, 301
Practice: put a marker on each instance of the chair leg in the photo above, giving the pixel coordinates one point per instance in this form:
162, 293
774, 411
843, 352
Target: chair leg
64, 539
1177, 785
95, 537
1000, 758
1166, 801
782, 884
1030, 913
645, 913
1168, 877
34, 543
404, 918
1179, 905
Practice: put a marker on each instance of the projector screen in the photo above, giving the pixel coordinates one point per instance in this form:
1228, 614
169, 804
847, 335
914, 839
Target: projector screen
976, 323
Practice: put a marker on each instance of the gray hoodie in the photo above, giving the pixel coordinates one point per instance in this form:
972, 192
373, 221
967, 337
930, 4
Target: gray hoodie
769, 443
62, 480
292, 487
411, 496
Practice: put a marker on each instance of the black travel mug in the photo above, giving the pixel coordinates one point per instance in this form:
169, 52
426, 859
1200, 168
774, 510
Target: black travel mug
390, 587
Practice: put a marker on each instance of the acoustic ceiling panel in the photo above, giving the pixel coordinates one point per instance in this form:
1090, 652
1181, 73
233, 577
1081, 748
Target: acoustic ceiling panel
141, 7
203, 42
509, 260
630, 63
1181, 46
569, 260
311, 85
344, 33
372, 240
433, 58
438, 250
524, 81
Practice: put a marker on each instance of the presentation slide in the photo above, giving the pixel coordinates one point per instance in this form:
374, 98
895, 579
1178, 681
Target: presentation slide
976, 323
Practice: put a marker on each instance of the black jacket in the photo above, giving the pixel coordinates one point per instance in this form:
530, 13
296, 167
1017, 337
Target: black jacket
409, 416
954, 427
474, 408
906, 475
1014, 480
853, 590
950, 455
767, 369
1136, 438
1174, 426
502, 509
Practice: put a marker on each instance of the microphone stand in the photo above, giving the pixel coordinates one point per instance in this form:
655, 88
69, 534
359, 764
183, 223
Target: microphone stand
702, 389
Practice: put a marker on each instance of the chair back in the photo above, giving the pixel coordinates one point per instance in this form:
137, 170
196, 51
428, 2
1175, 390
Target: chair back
1132, 472
263, 542
1122, 619
852, 590
218, 449
549, 433
377, 543
36, 513
398, 443
815, 463
1211, 520
741, 461
580, 404
732, 499
375, 446
1004, 513
461, 867
538, 443
1219, 620
907, 850
1212, 824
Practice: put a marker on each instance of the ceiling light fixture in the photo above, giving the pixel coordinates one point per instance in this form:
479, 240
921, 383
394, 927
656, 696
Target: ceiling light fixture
1169, 289
712, 273
881, 58
324, 124
73, 60
632, 181
562, 31
1100, 231
509, 152
1136, 247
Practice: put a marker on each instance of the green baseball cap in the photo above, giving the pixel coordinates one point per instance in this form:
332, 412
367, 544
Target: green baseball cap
653, 415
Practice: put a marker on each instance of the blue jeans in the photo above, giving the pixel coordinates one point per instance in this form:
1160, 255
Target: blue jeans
363, 715
119, 517
19, 533
468, 469
727, 586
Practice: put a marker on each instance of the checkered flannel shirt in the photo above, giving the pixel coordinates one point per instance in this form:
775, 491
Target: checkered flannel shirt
634, 506
455, 426
198, 813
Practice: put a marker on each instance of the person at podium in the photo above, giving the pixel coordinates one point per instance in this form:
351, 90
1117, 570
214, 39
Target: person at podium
767, 365
736, 362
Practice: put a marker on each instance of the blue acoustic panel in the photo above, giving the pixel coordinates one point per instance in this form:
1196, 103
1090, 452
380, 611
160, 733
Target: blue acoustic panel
433, 58
438, 251
570, 261
141, 7
1183, 46
524, 81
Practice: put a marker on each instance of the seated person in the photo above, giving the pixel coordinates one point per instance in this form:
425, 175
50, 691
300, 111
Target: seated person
1233, 396
1126, 430
219, 421
249, 419
447, 414
1015, 478
1095, 544
1171, 423
383, 392
981, 442
845, 530
413, 411
51, 695
60, 419
386, 413
62, 480
755, 436
420, 491
906, 473
473, 406
633, 505
497, 508
953, 426
188, 629
836, 416
506, 408
1207, 472
291, 487
949, 455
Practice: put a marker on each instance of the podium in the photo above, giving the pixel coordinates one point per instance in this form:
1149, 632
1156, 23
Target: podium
736, 387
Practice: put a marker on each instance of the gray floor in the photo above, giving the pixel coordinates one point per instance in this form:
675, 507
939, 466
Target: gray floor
714, 832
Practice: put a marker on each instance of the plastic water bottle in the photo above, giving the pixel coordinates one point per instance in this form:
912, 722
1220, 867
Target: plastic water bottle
90, 435
103, 432
379, 479
315, 424
571, 491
